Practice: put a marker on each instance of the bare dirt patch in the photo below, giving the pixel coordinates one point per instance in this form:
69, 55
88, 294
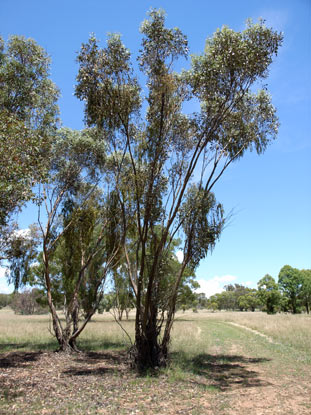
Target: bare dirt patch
102, 383
89, 383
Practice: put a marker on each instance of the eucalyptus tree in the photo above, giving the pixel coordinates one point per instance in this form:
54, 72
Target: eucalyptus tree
28, 119
166, 162
77, 231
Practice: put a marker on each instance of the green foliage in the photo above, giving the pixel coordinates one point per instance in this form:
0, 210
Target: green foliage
28, 302
202, 221
82, 225
306, 288
268, 294
106, 73
20, 253
248, 301
235, 297
290, 284
28, 114
78, 246
5, 299
106, 303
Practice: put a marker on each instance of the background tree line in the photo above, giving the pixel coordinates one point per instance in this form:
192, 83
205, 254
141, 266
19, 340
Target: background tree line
292, 293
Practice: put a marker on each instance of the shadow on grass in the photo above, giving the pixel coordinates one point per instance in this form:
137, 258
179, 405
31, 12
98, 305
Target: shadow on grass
83, 345
95, 345
8, 347
110, 362
114, 357
20, 354
222, 372
19, 359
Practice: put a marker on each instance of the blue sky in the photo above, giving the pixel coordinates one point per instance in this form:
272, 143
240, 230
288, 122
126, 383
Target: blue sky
269, 194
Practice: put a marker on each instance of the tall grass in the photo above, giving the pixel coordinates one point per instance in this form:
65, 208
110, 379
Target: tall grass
289, 329
18, 332
34, 332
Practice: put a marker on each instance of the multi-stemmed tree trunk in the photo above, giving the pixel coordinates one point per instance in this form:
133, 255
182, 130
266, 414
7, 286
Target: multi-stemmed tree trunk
80, 239
165, 162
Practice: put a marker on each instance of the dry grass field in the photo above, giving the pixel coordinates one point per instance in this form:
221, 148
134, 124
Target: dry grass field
221, 364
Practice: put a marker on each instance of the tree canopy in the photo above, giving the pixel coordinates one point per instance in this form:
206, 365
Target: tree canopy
28, 118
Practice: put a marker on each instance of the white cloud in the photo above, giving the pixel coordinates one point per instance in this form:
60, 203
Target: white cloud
215, 285
23, 232
180, 256
4, 287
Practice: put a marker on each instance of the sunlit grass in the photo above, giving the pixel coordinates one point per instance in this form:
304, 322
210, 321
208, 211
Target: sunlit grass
287, 329
25, 332
34, 332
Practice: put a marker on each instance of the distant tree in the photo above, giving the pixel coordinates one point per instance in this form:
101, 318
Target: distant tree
249, 301
290, 284
28, 116
269, 294
28, 302
122, 298
212, 305
157, 148
5, 299
235, 297
306, 288
202, 300
215, 300
224, 300
106, 303
234, 293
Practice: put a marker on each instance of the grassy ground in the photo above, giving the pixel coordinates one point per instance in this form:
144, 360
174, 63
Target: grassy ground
221, 363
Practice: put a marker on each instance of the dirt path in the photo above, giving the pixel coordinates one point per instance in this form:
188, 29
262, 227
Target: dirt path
269, 339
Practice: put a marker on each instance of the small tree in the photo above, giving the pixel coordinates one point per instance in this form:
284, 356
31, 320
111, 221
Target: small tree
212, 305
87, 237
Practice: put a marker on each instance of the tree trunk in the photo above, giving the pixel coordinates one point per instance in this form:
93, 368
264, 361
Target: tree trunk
149, 354
294, 305
67, 345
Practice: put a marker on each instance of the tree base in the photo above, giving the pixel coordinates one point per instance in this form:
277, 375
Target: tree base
145, 358
68, 348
